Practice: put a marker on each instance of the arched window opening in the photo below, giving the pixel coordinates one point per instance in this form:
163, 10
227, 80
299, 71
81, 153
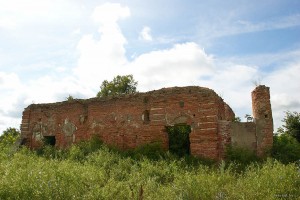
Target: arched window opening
146, 116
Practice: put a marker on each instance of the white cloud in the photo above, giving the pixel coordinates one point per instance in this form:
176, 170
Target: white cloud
103, 58
284, 86
234, 83
9, 81
110, 13
7, 23
183, 64
145, 34
6, 122
76, 31
18, 12
232, 25
10, 87
180, 65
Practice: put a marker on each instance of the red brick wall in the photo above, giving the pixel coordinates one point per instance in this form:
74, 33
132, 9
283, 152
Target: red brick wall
224, 128
123, 122
262, 113
119, 121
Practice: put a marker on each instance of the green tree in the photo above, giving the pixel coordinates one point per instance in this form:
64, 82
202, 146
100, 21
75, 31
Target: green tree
285, 148
70, 98
291, 125
9, 136
237, 119
119, 85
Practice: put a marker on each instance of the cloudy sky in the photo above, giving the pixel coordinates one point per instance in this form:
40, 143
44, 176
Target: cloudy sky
50, 49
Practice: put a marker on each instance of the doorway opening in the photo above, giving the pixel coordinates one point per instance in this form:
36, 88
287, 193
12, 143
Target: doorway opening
49, 140
179, 140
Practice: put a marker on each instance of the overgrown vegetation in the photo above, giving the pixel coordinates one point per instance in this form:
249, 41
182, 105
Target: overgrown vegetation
119, 85
9, 136
241, 157
91, 170
286, 145
291, 125
286, 149
179, 143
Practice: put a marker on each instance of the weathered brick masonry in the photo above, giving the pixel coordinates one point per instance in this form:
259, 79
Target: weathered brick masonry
129, 121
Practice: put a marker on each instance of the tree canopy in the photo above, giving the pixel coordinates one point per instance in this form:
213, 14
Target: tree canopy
119, 85
9, 136
291, 125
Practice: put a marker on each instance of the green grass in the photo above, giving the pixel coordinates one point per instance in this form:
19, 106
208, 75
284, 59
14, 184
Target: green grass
93, 171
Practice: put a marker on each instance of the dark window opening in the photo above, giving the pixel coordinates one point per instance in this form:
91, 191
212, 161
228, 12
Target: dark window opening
49, 140
146, 99
146, 116
179, 140
266, 116
24, 141
181, 104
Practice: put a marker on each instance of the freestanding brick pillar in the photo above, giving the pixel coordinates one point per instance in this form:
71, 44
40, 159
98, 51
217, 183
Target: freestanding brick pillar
262, 114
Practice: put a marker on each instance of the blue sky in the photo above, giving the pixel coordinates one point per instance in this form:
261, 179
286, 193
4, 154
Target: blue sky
54, 48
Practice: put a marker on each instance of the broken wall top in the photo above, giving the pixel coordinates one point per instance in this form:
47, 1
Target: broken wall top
143, 96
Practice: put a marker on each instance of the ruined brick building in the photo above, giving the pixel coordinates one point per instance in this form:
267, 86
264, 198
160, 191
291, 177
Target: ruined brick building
128, 121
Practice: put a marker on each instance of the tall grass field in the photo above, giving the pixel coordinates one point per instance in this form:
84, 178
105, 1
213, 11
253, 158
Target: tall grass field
91, 170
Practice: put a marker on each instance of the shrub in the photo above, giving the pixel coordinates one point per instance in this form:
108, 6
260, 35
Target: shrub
242, 157
179, 142
9, 136
286, 148
76, 152
106, 174
153, 151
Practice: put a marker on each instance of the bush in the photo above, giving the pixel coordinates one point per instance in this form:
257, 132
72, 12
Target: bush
106, 174
241, 157
76, 152
286, 148
79, 151
179, 142
9, 136
152, 151
291, 125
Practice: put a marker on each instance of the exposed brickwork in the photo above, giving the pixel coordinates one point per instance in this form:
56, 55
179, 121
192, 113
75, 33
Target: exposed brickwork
224, 128
129, 121
262, 113
229, 114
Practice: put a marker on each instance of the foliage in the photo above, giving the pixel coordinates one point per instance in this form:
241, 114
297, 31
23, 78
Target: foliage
70, 98
119, 85
292, 125
237, 119
9, 136
106, 174
285, 148
242, 157
179, 142
152, 151
77, 152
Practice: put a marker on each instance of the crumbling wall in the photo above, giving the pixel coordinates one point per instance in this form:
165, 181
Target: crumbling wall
256, 136
243, 134
224, 131
128, 121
